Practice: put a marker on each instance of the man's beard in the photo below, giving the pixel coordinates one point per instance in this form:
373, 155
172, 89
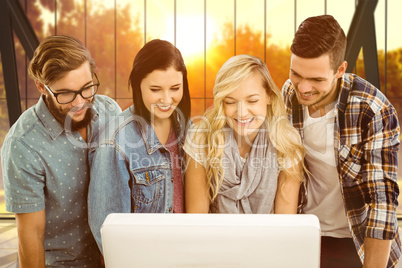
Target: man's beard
63, 115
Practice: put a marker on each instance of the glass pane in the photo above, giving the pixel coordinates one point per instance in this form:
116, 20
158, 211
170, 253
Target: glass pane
308, 8
32, 102
197, 109
21, 62
71, 19
41, 15
219, 38
394, 24
280, 22
32, 90
250, 28
129, 40
24, 105
279, 39
209, 103
379, 20
394, 67
160, 20
394, 50
101, 42
2, 87
344, 16
394, 74
4, 126
190, 42
397, 103
124, 103
278, 63
343, 11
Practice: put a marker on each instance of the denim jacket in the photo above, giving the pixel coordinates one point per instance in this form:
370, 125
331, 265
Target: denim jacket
131, 171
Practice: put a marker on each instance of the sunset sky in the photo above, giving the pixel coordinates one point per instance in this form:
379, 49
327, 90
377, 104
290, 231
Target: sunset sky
280, 21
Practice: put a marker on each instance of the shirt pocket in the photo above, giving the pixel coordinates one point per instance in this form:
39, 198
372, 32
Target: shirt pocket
350, 156
148, 189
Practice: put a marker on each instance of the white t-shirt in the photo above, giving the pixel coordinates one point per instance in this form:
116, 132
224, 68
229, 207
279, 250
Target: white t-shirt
324, 198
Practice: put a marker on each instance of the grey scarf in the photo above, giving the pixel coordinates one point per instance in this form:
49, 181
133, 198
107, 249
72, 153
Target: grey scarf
248, 188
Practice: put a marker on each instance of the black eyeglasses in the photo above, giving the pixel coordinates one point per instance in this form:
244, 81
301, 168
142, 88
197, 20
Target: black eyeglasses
85, 92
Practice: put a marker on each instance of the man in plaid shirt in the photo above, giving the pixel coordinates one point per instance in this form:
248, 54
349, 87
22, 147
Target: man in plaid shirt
351, 134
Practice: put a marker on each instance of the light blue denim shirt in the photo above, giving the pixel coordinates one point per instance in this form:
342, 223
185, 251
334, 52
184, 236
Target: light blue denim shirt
45, 167
131, 171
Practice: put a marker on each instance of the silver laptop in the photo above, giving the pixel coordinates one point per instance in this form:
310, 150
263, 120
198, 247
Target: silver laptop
210, 240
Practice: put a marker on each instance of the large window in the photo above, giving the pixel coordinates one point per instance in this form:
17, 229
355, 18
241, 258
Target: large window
207, 32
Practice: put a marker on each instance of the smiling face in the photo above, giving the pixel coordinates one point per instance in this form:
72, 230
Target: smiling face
315, 81
246, 107
162, 91
79, 110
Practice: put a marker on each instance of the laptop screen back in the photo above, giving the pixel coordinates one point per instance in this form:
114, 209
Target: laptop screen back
210, 240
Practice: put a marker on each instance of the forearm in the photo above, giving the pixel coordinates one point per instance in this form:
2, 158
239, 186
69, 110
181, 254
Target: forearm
197, 200
31, 252
287, 194
31, 233
383, 129
196, 189
376, 252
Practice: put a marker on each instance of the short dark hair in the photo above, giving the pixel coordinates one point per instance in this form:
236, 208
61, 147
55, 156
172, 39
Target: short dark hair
158, 55
320, 35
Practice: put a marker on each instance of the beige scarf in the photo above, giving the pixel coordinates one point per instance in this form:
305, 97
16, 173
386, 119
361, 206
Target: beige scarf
249, 187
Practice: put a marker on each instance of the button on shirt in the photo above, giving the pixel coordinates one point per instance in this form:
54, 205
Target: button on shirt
46, 168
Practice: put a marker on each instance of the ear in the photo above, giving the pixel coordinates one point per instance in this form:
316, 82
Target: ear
342, 69
40, 87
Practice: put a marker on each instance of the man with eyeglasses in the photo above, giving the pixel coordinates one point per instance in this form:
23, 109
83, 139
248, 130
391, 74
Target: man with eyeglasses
44, 157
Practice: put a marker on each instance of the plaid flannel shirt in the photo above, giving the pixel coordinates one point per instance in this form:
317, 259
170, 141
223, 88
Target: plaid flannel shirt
366, 145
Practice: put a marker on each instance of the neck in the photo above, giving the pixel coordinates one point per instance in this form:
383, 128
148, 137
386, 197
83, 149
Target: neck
162, 129
164, 123
245, 143
83, 133
321, 111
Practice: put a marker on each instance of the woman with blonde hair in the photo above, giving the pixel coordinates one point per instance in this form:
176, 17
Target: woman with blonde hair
243, 156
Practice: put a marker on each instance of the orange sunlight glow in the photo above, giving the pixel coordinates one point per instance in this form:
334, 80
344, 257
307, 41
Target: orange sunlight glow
190, 35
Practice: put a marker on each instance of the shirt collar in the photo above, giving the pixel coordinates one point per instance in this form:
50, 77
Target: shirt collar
51, 124
151, 141
345, 87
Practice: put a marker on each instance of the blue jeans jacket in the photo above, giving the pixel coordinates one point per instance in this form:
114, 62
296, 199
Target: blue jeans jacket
131, 171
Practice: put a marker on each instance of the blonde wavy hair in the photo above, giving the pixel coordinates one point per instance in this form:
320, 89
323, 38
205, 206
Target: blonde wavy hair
281, 133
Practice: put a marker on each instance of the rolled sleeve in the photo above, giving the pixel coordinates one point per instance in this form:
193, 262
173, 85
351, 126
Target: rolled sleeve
380, 174
194, 147
23, 178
